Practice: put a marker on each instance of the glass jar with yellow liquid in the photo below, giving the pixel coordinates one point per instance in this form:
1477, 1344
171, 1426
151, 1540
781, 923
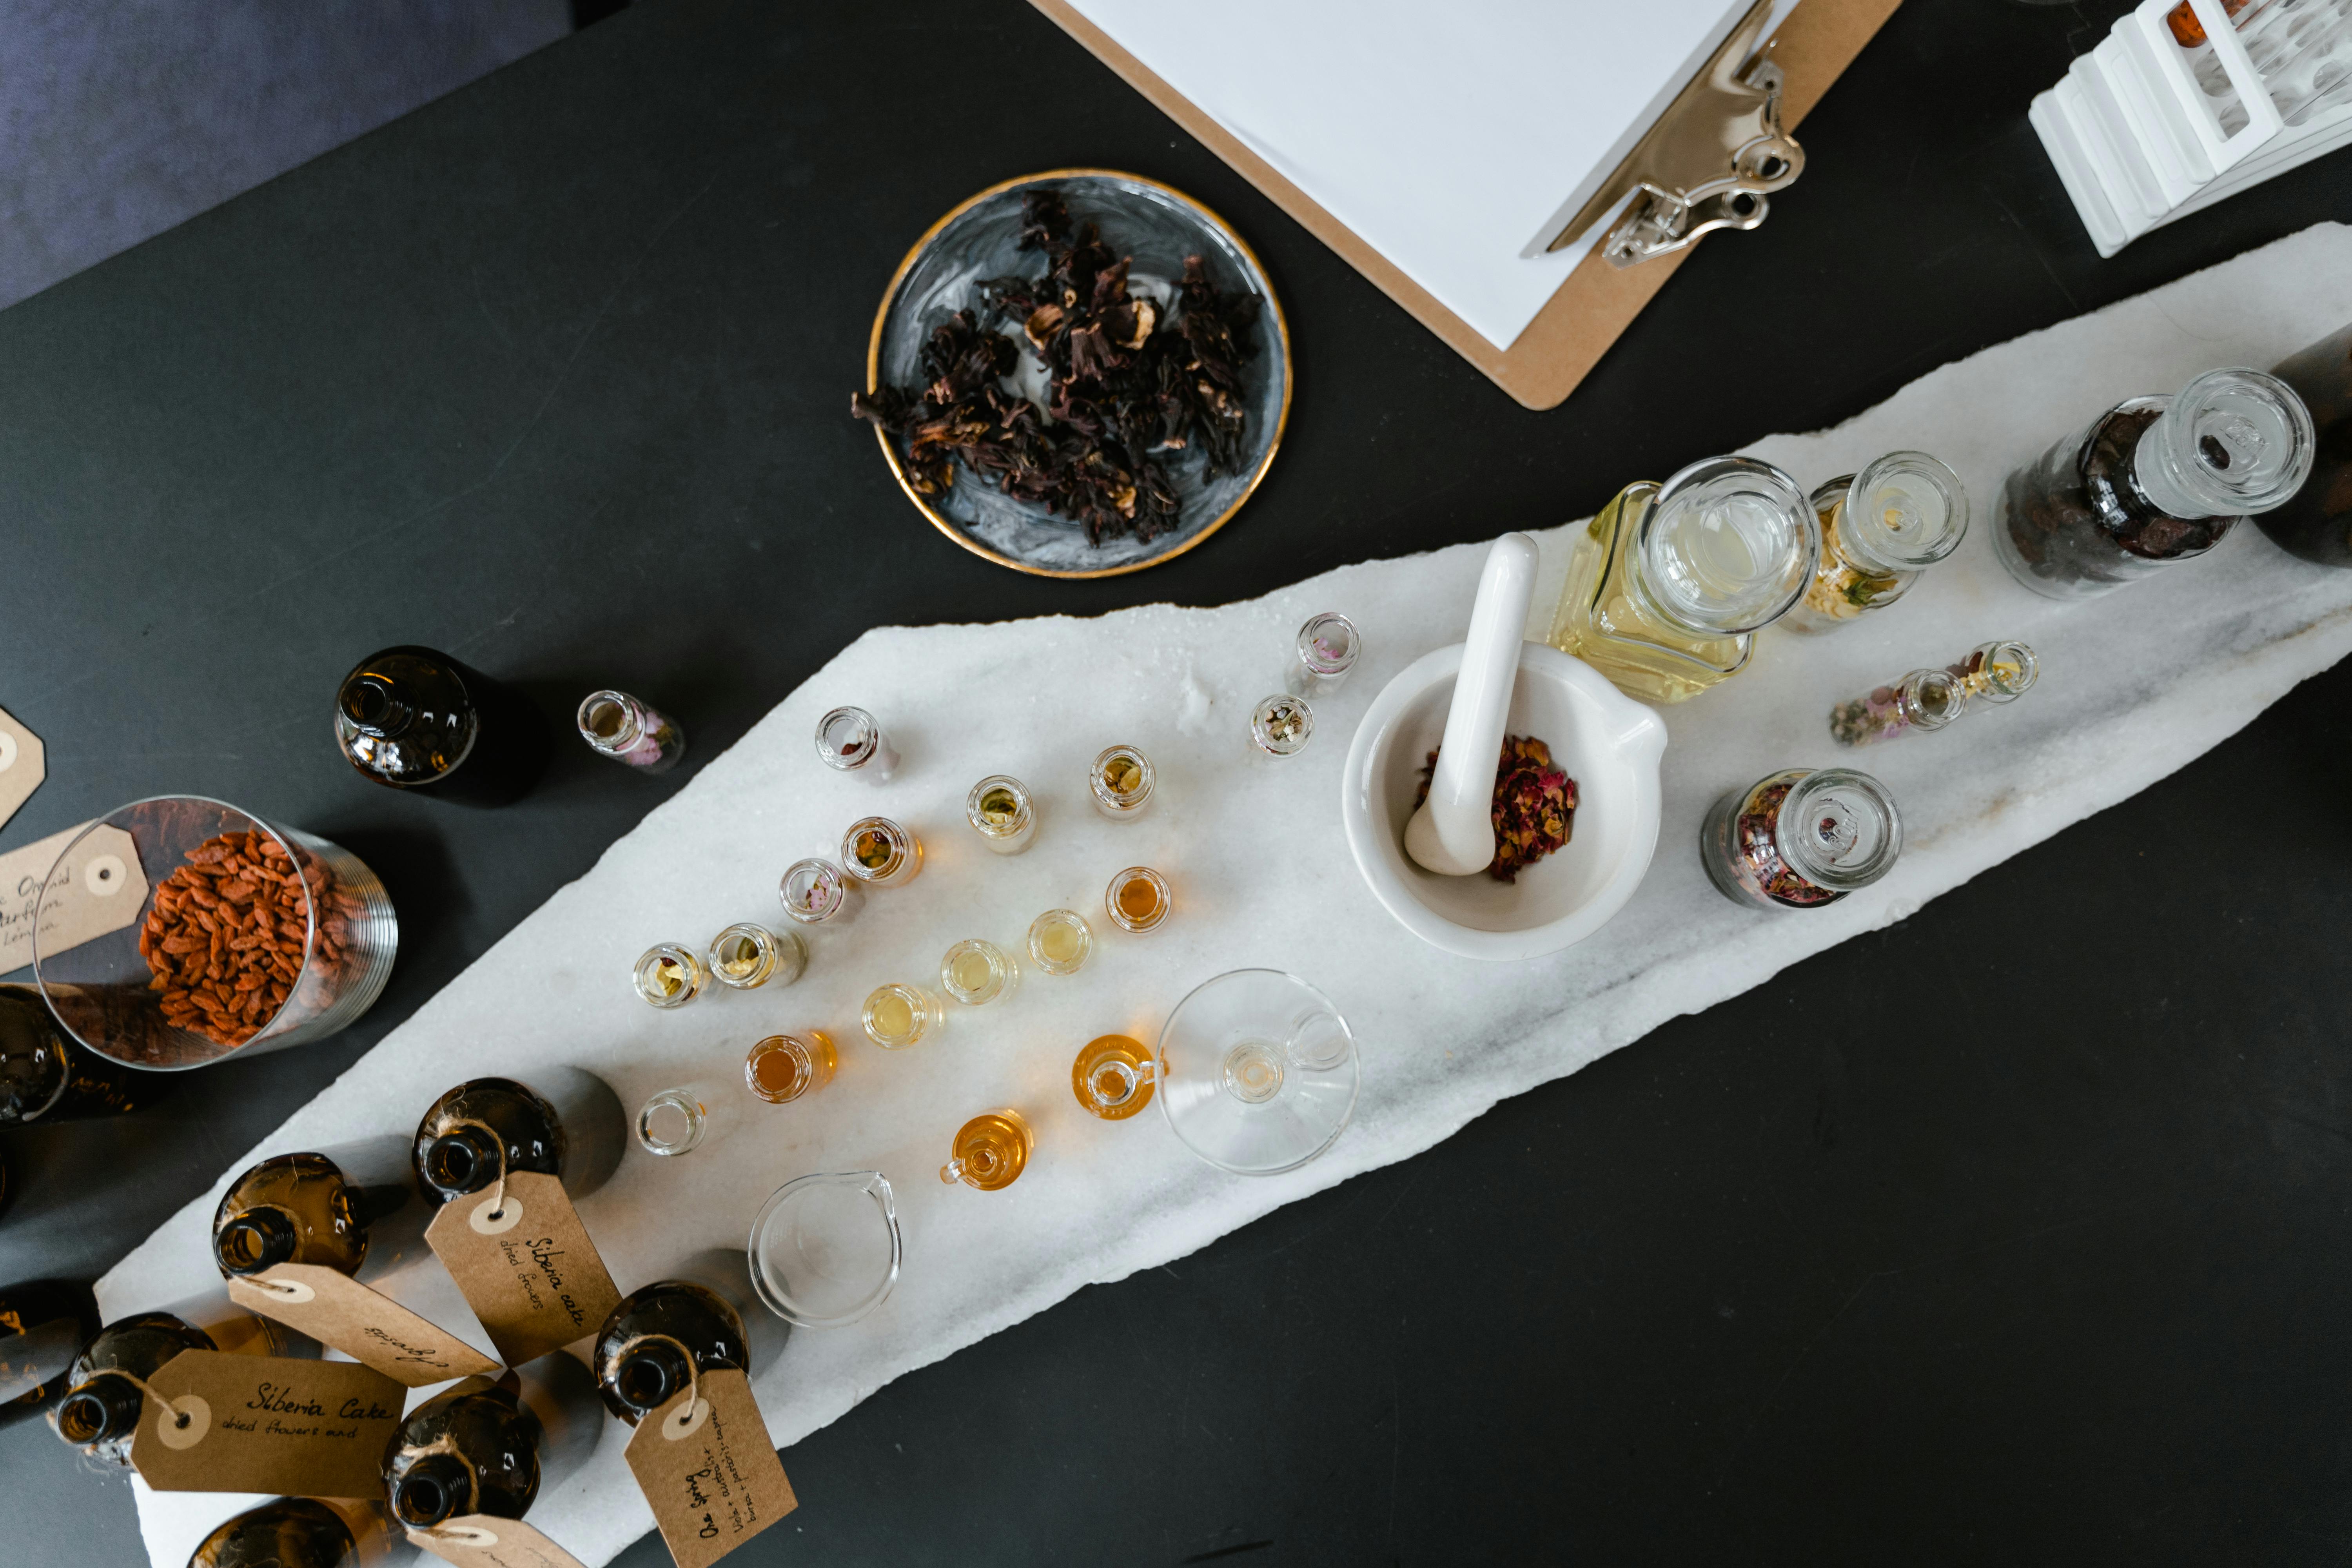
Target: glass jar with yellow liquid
1667, 587
990, 1151
1880, 529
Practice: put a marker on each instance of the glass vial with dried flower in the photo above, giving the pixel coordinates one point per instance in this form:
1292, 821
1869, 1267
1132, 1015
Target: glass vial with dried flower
619, 726
1059, 941
669, 975
1998, 671
1995, 673
747, 956
1121, 781
897, 1016
976, 973
1282, 725
1114, 1076
1801, 838
1136, 900
1880, 529
1001, 812
680, 1120
1328, 647
990, 1151
881, 854
848, 741
783, 1067
816, 891
2152, 482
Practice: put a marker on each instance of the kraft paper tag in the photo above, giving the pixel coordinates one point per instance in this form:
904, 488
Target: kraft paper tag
104, 892
526, 1265
24, 763
479, 1540
338, 1311
709, 1471
266, 1423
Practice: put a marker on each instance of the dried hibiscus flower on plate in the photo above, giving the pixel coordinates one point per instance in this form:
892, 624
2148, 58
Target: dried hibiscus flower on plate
1132, 386
1535, 806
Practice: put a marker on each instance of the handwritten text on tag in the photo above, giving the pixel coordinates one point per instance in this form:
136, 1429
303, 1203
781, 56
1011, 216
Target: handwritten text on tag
526, 1264
266, 1423
340, 1312
710, 1472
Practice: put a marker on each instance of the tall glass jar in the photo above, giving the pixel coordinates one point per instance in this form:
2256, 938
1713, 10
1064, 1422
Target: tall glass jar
2151, 482
1880, 529
1801, 838
1667, 586
2316, 521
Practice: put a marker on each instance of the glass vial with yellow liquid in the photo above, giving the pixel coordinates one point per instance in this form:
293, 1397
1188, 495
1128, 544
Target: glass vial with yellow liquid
1880, 529
990, 1151
1667, 587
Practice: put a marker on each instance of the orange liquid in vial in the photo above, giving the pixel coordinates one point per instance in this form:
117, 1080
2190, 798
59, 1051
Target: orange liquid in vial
1112, 1077
991, 1151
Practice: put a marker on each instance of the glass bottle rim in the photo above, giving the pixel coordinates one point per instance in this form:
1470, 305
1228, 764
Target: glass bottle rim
1878, 828
901, 842
817, 877
650, 963
1933, 697
1262, 724
1001, 972
1137, 925
765, 954
1916, 538
848, 738
793, 1046
1023, 810
1076, 921
2008, 689
630, 730
2184, 461
1734, 604
1134, 799
1315, 649
923, 1010
774, 1292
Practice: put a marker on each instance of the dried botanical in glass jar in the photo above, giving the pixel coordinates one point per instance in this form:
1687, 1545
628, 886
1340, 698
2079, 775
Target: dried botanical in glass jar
1282, 725
881, 854
1001, 812
619, 726
1992, 673
2152, 482
1880, 529
2316, 521
816, 891
747, 956
1801, 838
848, 741
1327, 648
669, 975
1121, 781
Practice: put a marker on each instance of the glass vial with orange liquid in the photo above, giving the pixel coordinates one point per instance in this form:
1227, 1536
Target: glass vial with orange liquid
783, 1067
1136, 900
1114, 1076
990, 1151
879, 852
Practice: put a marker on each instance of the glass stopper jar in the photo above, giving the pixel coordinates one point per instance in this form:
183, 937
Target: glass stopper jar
668, 976
881, 854
976, 973
1326, 650
1060, 940
1121, 781
1136, 900
1282, 725
619, 726
848, 741
783, 1067
1113, 1076
746, 956
1668, 586
1801, 838
897, 1016
1001, 812
2316, 521
990, 1151
815, 891
1880, 529
2152, 482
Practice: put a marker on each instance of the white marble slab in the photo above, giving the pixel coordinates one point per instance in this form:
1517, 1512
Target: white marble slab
2133, 686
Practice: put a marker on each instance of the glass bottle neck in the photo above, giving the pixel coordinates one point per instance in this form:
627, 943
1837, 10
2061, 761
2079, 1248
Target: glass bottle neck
433, 1487
104, 1409
260, 1238
375, 706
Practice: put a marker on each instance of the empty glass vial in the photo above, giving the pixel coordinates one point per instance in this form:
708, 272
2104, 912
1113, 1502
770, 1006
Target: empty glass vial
991, 1150
783, 1067
1136, 900
2315, 522
1120, 782
1059, 941
848, 741
622, 727
881, 854
679, 1120
1800, 839
1282, 726
976, 973
658, 1339
1114, 1076
747, 956
1880, 529
411, 719
815, 891
897, 1016
285, 1533
668, 976
44, 1078
1326, 650
1666, 588
2152, 482
322, 1207
564, 1123
1001, 812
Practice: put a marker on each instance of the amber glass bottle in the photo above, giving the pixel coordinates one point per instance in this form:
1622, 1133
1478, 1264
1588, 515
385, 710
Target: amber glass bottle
2317, 524
319, 1207
473, 1449
99, 1414
44, 1078
641, 1352
42, 1324
288, 1532
411, 719
565, 1123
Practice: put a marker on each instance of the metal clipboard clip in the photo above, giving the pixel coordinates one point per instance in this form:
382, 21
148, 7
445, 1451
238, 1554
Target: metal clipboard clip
1709, 162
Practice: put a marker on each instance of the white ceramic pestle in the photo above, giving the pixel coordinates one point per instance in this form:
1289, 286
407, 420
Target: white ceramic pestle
1452, 833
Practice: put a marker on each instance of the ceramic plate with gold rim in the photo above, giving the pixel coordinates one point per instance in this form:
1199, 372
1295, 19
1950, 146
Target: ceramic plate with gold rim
980, 240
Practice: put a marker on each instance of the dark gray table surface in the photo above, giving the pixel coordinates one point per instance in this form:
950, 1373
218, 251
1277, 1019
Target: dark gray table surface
2014, 1232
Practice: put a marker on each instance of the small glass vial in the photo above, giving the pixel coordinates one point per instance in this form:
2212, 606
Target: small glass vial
1001, 812
1328, 647
1880, 529
1801, 838
2152, 482
2317, 524
1282, 725
680, 1120
669, 976
1922, 699
783, 1067
1120, 782
747, 956
897, 1016
848, 741
990, 1151
1060, 940
1998, 671
881, 854
1136, 900
619, 726
815, 891
976, 973
1667, 587
1114, 1076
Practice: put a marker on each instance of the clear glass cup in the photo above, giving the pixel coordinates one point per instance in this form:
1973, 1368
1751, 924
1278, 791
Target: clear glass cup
1060, 941
1801, 838
815, 891
1138, 900
784, 1068
668, 976
825, 1249
879, 852
1880, 529
1121, 781
1328, 647
976, 973
1113, 1076
1001, 812
680, 1120
1282, 726
627, 730
897, 1016
990, 1151
747, 956
1256, 1072
848, 741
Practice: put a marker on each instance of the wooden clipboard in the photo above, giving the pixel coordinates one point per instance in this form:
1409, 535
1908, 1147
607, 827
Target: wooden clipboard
1819, 39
